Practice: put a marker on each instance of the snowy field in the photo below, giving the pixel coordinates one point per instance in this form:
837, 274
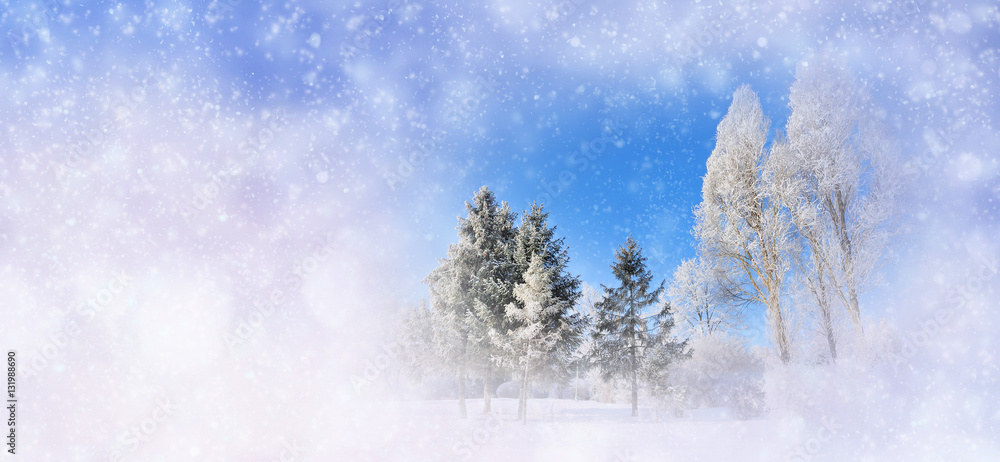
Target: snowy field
589, 431
563, 430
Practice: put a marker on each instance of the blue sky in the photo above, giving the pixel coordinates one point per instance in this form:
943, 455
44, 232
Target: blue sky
645, 182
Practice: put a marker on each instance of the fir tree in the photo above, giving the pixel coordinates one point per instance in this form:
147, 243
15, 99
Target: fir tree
541, 334
535, 237
453, 318
416, 342
535, 337
489, 232
471, 289
621, 333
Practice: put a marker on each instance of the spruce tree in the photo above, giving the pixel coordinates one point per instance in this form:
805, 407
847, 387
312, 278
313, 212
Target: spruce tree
535, 237
471, 289
489, 232
534, 337
454, 321
540, 333
416, 342
621, 334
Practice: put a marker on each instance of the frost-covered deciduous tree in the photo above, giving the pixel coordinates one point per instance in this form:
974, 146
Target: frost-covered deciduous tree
841, 176
699, 300
590, 296
621, 333
816, 279
740, 223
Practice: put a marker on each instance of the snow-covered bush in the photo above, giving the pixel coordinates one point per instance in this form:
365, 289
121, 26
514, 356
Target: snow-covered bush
723, 371
607, 391
510, 389
674, 401
859, 394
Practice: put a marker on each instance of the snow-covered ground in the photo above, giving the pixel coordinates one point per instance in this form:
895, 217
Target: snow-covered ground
559, 429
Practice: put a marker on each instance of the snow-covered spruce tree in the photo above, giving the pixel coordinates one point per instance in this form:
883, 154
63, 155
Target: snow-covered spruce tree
621, 333
536, 244
842, 179
663, 352
453, 317
741, 223
416, 345
427, 342
470, 289
586, 309
489, 232
536, 237
699, 301
533, 337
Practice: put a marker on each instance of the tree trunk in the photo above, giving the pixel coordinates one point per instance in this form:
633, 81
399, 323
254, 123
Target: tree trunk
522, 404
635, 390
576, 384
487, 384
828, 328
461, 390
632, 354
855, 310
635, 395
848, 247
780, 333
823, 300
820, 293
